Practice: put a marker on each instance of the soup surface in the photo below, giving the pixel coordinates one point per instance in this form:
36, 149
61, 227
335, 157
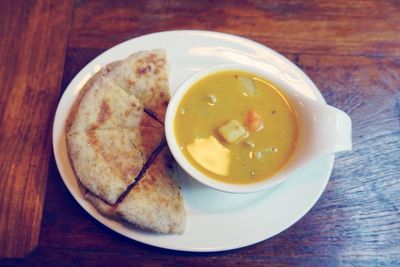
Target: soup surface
235, 127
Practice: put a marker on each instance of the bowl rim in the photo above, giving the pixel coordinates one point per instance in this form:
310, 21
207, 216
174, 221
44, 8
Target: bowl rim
174, 147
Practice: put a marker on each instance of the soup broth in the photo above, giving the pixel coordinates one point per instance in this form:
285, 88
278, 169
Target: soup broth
236, 127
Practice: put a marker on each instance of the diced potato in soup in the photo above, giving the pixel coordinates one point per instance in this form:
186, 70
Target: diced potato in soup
239, 121
232, 132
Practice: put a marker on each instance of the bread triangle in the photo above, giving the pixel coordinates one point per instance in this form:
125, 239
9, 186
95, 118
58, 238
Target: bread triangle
144, 75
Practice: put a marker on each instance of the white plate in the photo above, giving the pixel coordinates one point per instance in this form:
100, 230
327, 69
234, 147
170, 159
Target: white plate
216, 221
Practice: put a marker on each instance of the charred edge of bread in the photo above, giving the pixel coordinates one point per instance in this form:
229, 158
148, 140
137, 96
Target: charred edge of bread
146, 166
151, 114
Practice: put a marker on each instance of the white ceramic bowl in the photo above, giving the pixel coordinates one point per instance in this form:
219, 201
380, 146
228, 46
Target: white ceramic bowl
317, 123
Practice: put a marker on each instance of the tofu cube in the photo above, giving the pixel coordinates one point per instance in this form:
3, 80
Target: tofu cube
233, 131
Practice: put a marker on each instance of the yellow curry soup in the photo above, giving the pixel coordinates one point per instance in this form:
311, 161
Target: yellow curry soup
235, 127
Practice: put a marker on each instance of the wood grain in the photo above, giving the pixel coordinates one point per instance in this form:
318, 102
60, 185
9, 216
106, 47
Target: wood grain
357, 28
33, 40
350, 49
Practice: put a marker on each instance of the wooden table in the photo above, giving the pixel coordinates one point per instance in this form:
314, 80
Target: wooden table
351, 49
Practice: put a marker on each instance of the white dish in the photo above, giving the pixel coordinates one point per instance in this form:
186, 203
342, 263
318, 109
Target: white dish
216, 221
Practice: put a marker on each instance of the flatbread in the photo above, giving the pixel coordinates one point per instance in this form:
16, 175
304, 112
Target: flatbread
155, 202
106, 106
108, 161
111, 140
144, 75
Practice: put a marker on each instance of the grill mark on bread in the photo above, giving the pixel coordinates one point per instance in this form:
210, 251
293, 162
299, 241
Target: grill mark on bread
92, 138
142, 70
151, 114
146, 166
105, 112
130, 83
159, 65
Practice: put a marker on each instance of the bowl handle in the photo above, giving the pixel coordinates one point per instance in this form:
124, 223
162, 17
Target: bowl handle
323, 130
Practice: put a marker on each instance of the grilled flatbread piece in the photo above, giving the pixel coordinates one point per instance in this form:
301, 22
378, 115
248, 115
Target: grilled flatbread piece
155, 202
106, 106
108, 161
144, 75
